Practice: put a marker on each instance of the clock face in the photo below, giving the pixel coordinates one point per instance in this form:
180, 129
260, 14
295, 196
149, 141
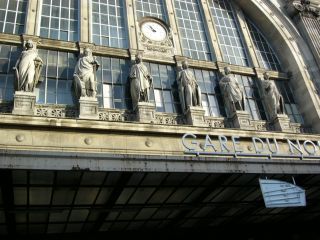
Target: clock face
154, 31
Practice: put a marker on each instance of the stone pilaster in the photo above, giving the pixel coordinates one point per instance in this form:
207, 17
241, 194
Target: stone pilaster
246, 34
32, 17
132, 24
241, 119
174, 27
24, 103
85, 20
88, 108
195, 116
211, 30
145, 112
281, 122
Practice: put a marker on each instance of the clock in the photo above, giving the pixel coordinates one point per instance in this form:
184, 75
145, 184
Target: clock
154, 30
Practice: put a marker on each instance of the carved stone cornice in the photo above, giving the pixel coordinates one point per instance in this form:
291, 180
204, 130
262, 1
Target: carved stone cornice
309, 8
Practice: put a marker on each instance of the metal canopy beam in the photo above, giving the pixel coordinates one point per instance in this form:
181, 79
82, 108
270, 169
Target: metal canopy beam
11, 159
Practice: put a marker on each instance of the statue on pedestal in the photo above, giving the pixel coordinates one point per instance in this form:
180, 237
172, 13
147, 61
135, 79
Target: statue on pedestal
189, 90
28, 68
272, 98
140, 82
85, 82
231, 91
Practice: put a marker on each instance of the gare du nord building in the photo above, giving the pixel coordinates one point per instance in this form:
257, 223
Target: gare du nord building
108, 164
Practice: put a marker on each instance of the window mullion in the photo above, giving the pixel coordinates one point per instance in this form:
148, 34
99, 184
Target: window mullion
246, 36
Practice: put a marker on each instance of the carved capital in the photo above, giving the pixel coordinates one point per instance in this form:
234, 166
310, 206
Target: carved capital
35, 39
309, 8
82, 45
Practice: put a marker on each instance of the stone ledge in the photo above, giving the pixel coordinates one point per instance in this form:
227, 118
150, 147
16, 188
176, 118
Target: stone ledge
97, 125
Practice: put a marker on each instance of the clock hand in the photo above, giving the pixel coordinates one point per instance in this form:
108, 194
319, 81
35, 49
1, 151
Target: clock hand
153, 30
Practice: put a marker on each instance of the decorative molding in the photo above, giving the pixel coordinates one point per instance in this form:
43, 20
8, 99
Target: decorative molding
307, 8
235, 69
215, 122
151, 47
260, 125
57, 111
115, 115
169, 119
10, 39
56, 44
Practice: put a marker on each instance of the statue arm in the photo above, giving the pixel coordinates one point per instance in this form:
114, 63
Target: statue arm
95, 63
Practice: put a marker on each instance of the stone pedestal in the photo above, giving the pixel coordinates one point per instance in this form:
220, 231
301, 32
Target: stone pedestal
145, 112
24, 103
88, 108
281, 122
195, 116
241, 119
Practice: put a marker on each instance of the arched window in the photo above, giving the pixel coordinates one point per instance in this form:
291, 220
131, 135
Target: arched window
266, 56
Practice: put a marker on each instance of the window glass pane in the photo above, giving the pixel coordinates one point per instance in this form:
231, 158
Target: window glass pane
60, 21
153, 8
291, 108
228, 32
113, 76
165, 89
56, 87
266, 56
207, 81
12, 16
106, 27
8, 58
190, 21
252, 101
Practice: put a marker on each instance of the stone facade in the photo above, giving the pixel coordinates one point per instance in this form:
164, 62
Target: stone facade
293, 51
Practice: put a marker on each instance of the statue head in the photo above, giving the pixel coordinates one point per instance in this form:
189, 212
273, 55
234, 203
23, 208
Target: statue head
87, 51
185, 64
29, 44
266, 75
227, 70
138, 58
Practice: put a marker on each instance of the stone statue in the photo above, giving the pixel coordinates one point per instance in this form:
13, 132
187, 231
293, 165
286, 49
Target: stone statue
28, 68
84, 76
231, 91
189, 90
140, 82
272, 98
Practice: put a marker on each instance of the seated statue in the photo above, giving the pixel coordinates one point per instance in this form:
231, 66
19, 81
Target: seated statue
189, 90
28, 68
231, 92
140, 82
272, 98
84, 76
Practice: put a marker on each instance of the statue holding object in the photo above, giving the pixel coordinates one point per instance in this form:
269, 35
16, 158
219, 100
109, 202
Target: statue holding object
28, 68
85, 82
